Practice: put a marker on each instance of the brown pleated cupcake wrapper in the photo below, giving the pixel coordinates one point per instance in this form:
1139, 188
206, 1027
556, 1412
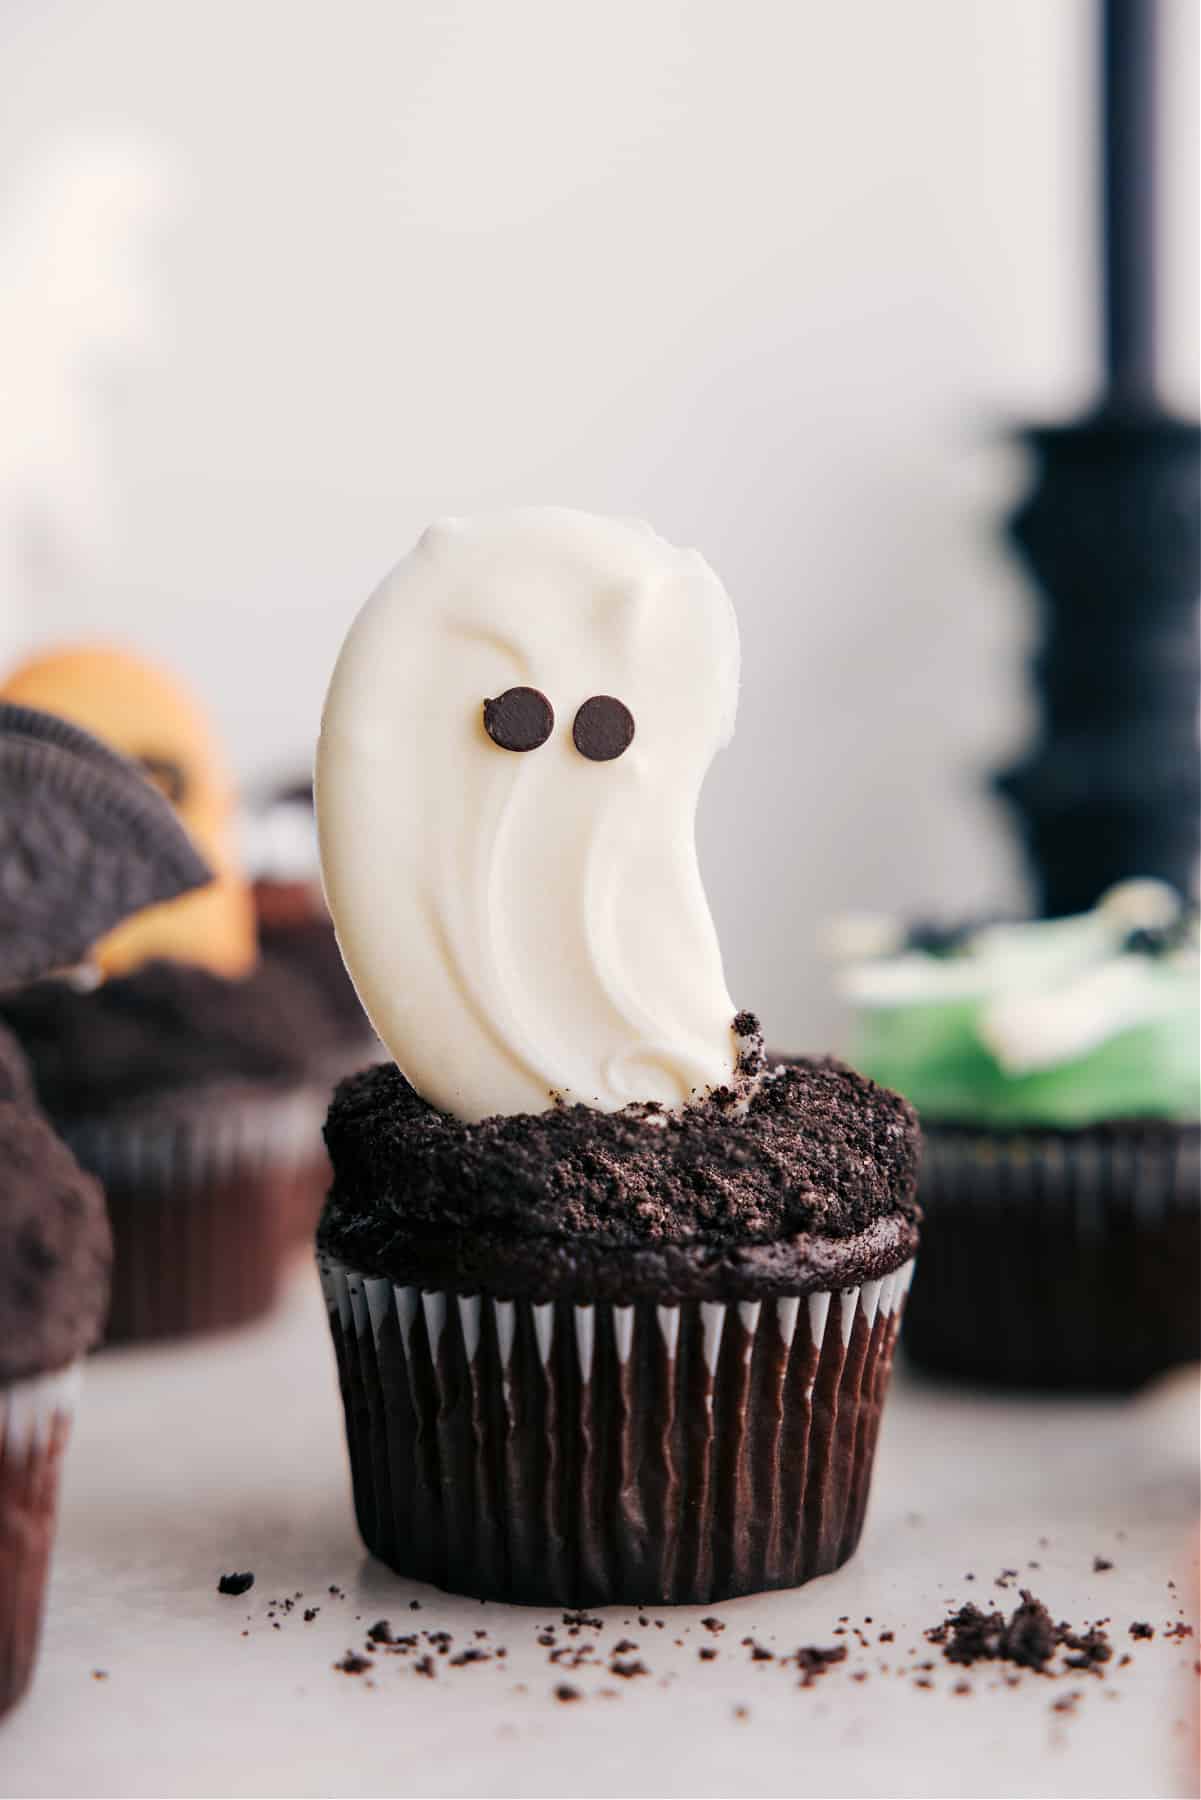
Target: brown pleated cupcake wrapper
201, 1208
1058, 1259
35, 1418
565, 1455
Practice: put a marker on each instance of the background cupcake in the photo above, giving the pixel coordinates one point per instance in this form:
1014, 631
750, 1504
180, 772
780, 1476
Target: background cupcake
183, 1081
279, 839
294, 926
1056, 1069
82, 839
55, 1254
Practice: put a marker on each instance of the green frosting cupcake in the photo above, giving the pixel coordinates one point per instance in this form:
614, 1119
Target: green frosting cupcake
1057, 1023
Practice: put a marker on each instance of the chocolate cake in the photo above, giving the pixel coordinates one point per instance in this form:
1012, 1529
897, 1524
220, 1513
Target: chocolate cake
55, 1250
655, 1344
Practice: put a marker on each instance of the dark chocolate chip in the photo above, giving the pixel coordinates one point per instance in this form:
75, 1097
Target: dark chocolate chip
603, 728
519, 719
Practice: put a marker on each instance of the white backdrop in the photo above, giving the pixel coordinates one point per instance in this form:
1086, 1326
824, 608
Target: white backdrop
773, 273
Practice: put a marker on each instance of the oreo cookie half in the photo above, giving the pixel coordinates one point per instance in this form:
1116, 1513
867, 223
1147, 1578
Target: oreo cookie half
85, 840
48, 728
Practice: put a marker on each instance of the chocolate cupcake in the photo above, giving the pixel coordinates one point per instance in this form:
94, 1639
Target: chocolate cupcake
1056, 1069
590, 1357
190, 1097
83, 840
184, 1078
55, 1253
614, 1304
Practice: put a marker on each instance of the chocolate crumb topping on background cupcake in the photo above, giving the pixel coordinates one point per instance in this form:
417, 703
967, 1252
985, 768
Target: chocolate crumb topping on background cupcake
167, 1028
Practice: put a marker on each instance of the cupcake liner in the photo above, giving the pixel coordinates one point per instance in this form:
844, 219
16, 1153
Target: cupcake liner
199, 1204
567, 1455
1055, 1259
35, 1418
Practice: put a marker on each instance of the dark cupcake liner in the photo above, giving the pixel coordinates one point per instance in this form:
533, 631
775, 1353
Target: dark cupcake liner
1058, 1259
572, 1455
35, 1419
201, 1205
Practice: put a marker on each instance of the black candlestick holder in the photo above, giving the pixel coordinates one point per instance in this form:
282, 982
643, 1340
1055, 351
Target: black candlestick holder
1111, 532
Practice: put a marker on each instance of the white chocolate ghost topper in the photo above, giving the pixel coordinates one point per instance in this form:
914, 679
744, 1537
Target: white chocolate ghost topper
511, 754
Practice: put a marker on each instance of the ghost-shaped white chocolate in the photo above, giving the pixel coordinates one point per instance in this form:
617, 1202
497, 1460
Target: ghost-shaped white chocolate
528, 925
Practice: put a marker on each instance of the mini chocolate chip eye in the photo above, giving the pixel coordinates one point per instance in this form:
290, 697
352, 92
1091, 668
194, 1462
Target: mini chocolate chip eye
519, 719
603, 728
166, 775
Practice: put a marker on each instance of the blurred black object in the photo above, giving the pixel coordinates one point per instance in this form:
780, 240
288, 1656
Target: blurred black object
1111, 531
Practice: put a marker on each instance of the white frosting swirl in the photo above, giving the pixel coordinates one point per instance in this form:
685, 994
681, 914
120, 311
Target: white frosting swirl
528, 925
1045, 991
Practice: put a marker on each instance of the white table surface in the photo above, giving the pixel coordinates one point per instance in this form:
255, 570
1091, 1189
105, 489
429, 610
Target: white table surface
226, 1455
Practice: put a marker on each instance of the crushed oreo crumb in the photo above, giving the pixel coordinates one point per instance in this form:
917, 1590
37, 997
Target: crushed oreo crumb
1029, 1638
353, 1664
813, 1153
813, 1661
235, 1584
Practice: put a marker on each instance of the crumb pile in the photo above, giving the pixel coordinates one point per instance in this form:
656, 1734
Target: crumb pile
637, 1650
